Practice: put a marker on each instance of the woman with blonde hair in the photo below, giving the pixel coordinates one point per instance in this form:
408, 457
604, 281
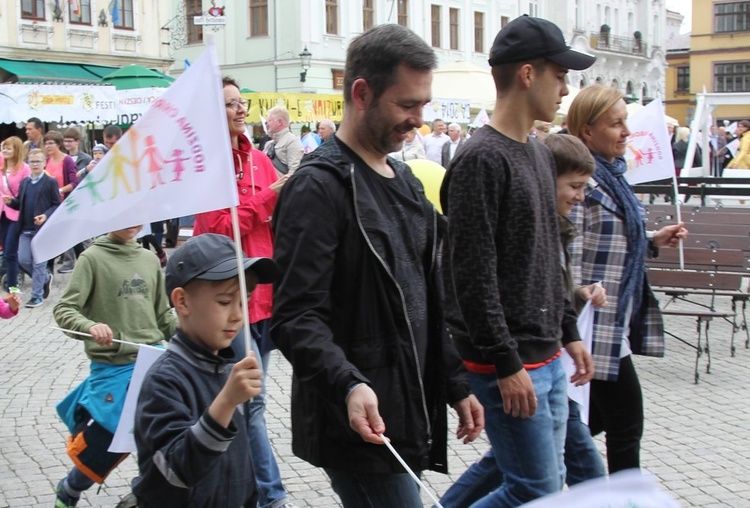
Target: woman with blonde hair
612, 248
742, 159
14, 170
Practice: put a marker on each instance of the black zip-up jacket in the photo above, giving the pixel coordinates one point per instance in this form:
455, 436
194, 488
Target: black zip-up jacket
185, 458
339, 317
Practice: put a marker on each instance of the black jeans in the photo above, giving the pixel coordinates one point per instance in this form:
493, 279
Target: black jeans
617, 409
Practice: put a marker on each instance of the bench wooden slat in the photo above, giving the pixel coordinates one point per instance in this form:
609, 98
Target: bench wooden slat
697, 313
722, 260
717, 242
738, 295
694, 280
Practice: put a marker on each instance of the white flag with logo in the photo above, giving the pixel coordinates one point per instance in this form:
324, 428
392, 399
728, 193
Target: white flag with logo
175, 161
649, 149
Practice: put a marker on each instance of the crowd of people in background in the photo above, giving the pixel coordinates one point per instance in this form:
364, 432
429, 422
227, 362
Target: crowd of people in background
388, 311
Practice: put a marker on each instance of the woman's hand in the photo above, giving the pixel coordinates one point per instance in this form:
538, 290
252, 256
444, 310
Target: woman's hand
594, 292
278, 184
670, 236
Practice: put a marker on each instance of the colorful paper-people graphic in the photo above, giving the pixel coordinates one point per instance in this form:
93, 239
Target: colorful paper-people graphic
155, 162
178, 167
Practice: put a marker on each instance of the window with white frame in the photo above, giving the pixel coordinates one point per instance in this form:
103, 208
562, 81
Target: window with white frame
79, 12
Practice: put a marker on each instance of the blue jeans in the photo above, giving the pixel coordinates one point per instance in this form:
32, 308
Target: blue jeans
582, 462
372, 490
38, 271
271, 493
9, 241
528, 452
479, 480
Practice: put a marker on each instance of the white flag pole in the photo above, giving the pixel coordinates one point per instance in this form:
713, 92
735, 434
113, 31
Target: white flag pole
408, 470
89, 335
679, 219
241, 274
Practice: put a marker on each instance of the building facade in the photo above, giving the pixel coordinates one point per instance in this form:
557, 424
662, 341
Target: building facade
261, 42
79, 41
716, 59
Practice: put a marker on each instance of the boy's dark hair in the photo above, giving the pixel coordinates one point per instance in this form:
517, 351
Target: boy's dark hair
505, 74
72, 133
376, 54
571, 155
112, 130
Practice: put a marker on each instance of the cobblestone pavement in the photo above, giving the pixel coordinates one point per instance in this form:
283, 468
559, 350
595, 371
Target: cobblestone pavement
697, 437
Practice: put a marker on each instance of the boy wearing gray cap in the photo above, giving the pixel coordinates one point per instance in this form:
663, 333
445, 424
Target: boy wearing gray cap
192, 442
503, 260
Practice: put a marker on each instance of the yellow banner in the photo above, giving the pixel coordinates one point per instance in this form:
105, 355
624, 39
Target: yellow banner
302, 107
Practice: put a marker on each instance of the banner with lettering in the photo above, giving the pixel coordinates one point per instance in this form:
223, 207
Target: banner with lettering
132, 104
447, 110
58, 103
302, 107
175, 161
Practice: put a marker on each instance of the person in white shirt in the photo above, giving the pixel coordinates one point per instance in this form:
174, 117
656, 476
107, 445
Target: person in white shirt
433, 143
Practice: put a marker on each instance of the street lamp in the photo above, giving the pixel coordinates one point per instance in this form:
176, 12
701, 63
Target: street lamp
304, 59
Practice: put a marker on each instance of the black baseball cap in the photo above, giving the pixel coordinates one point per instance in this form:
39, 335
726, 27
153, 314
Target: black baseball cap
213, 257
526, 38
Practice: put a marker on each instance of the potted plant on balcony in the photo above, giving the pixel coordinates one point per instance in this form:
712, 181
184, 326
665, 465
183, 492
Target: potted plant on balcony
638, 41
604, 34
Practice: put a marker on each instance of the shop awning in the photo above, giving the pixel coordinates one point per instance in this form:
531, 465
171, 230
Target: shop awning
27, 71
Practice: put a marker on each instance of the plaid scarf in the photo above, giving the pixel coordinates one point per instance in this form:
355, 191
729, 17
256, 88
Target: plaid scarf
611, 178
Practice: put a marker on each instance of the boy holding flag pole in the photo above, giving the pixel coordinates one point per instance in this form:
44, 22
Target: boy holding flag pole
112, 196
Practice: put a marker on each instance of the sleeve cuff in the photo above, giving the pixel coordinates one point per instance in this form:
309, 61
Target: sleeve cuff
508, 364
212, 435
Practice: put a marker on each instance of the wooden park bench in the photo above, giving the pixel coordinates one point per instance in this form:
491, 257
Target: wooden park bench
734, 185
713, 273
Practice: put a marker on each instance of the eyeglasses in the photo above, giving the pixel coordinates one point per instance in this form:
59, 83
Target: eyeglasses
235, 104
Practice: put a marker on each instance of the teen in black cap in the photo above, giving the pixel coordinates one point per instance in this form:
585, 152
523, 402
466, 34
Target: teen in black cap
503, 260
528, 38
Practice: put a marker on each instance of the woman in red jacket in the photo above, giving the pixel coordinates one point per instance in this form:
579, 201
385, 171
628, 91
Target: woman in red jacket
258, 186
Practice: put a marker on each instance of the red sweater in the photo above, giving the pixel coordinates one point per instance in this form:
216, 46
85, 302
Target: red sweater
255, 173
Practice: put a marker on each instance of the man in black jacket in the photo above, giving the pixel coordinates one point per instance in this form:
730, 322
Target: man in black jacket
358, 312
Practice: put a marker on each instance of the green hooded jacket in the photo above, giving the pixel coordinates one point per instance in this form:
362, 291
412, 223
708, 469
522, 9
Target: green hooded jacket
121, 285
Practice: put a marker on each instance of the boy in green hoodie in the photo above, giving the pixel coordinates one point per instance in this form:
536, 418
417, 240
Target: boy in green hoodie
116, 292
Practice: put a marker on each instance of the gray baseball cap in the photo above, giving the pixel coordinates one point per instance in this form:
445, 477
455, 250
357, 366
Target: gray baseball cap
213, 257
